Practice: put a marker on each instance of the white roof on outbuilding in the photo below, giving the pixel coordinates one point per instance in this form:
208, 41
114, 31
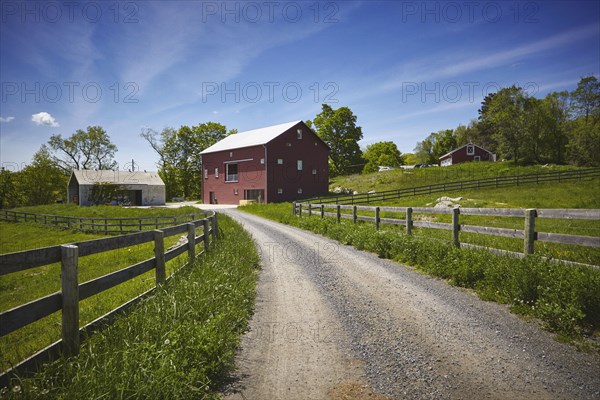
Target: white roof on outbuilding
462, 147
254, 137
90, 177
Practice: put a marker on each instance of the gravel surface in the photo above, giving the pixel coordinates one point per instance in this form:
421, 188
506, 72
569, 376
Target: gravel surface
334, 322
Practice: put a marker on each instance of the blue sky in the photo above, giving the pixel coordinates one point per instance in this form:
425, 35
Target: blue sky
404, 68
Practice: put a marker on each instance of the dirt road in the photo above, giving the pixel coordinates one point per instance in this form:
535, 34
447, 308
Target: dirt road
332, 322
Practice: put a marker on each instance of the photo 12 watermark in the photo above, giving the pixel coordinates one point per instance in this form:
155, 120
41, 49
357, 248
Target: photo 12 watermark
69, 11
469, 11
454, 92
253, 92
269, 11
54, 92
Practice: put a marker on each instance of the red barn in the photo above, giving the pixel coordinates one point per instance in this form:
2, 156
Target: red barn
277, 163
468, 152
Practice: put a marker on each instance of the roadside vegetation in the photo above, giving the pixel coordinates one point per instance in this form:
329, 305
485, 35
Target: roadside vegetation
565, 298
177, 343
21, 287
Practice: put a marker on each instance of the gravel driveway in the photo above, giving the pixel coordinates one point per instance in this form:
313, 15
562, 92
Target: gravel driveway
332, 322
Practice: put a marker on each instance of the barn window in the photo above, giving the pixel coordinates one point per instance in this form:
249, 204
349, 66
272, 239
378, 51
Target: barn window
470, 149
280, 161
314, 171
477, 158
217, 173
231, 172
231, 154
280, 191
299, 165
205, 173
299, 133
262, 160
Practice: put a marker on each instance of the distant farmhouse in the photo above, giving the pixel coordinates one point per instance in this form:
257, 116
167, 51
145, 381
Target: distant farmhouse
131, 188
468, 152
277, 163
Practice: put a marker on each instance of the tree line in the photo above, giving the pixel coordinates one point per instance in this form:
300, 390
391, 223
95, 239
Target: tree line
563, 127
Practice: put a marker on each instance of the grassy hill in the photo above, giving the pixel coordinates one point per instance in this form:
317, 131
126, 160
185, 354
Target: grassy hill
400, 178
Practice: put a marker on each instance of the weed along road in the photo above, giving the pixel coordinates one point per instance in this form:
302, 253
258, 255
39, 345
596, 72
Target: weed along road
332, 322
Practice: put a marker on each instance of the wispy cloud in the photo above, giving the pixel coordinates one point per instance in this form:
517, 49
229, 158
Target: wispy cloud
512, 55
44, 118
6, 119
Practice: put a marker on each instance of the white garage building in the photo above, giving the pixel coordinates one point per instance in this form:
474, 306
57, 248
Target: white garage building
137, 188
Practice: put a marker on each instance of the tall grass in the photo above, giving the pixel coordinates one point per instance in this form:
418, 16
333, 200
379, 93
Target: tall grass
177, 343
565, 298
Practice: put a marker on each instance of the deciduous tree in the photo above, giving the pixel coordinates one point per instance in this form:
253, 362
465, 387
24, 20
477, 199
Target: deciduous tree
338, 129
381, 154
89, 149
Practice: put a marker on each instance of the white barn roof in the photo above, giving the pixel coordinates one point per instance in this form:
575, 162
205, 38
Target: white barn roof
462, 147
254, 137
90, 177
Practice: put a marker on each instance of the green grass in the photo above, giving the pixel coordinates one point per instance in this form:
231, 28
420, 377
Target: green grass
565, 298
548, 195
399, 178
177, 343
22, 287
107, 211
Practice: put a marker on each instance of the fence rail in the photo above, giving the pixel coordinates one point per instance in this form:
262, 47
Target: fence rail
97, 224
499, 181
72, 292
528, 234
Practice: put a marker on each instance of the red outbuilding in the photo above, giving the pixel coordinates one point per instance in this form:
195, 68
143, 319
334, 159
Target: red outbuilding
277, 163
468, 152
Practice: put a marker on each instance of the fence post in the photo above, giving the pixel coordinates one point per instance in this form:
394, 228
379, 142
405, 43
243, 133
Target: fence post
409, 220
294, 209
338, 213
205, 227
455, 226
191, 237
70, 299
309, 209
215, 226
354, 216
377, 219
528, 245
300, 210
322, 211
159, 256
140, 223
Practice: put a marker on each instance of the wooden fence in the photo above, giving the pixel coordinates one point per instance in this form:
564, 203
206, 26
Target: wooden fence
499, 181
99, 225
72, 292
528, 234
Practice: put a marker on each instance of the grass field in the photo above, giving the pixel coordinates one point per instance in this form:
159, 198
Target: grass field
566, 298
399, 178
178, 343
19, 288
549, 195
106, 211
